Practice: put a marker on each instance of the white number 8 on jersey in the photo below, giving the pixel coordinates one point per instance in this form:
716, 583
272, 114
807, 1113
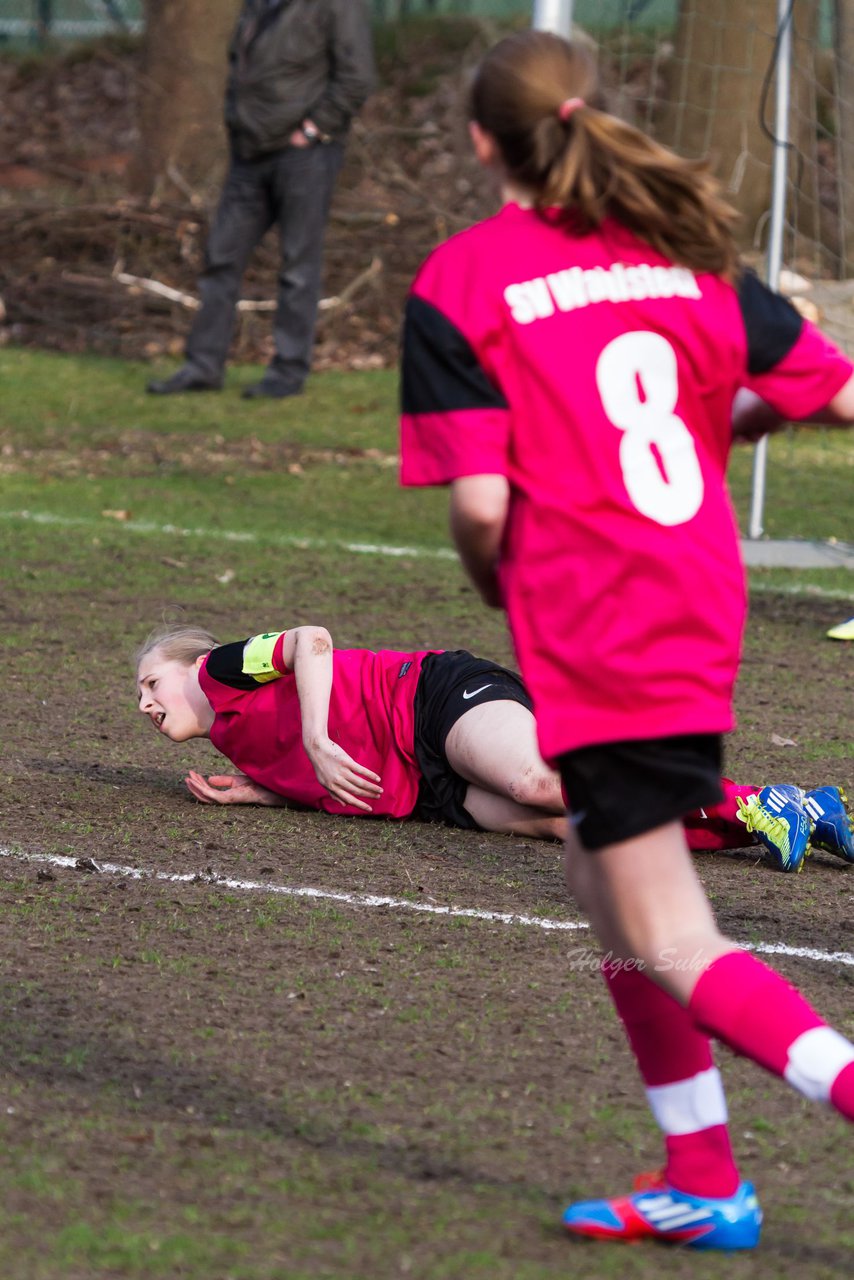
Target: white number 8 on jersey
668, 487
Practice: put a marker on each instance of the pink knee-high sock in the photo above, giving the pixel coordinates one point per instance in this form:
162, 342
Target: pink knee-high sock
718, 827
682, 1083
745, 1004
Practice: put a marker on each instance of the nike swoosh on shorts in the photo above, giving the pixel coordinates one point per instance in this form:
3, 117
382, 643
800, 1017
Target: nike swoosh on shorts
475, 692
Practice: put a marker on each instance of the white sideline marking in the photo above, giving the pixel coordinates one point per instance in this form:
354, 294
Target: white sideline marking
380, 900
801, 953
293, 541
232, 535
292, 891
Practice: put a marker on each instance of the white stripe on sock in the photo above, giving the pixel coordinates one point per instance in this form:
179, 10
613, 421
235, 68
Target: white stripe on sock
815, 1060
687, 1106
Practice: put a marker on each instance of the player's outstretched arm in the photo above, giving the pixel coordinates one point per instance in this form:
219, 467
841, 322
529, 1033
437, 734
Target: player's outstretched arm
230, 788
307, 651
840, 411
752, 418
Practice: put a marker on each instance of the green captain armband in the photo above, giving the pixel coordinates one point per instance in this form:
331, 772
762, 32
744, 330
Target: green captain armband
258, 657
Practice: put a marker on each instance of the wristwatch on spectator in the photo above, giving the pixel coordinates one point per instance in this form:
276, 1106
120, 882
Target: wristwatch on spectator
311, 131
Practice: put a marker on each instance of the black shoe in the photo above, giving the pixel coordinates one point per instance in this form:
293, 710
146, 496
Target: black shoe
272, 388
186, 379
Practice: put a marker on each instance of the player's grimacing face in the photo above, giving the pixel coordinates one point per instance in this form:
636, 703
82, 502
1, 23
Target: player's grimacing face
171, 697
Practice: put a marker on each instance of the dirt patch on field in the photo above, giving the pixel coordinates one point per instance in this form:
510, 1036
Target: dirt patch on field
205, 1076
233, 1048
150, 453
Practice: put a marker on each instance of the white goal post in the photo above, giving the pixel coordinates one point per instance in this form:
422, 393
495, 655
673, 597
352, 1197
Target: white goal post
553, 15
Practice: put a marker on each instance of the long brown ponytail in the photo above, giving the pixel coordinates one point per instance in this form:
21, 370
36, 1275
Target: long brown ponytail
576, 157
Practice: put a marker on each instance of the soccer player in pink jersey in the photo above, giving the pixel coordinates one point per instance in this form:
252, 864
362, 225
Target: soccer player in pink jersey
437, 735
576, 368
443, 736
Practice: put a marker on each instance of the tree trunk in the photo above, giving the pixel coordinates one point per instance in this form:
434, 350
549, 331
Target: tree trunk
844, 16
715, 107
182, 140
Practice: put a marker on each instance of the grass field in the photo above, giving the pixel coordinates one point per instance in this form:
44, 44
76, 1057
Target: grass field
217, 1077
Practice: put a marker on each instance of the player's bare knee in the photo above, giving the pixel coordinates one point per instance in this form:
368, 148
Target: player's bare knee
537, 787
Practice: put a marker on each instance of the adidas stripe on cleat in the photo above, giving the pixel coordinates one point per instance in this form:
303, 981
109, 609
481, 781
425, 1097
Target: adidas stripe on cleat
671, 1217
778, 819
834, 826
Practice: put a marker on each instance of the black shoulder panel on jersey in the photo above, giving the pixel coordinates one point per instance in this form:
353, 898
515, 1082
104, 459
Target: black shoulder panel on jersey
772, 324
440, 369
225, 664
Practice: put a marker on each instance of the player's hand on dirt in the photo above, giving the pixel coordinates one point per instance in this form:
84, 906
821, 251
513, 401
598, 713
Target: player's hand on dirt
229, 788
342, 776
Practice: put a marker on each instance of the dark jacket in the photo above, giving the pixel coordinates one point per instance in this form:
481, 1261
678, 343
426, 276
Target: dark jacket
295, 59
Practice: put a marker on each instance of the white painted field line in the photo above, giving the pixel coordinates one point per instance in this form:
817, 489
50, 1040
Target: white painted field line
380, 900
291, 541
296, 891
297, 543
801, 953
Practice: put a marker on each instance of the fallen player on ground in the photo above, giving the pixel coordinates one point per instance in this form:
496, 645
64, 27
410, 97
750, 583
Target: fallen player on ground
440, 736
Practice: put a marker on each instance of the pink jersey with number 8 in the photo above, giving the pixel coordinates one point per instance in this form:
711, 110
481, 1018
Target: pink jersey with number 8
599, 378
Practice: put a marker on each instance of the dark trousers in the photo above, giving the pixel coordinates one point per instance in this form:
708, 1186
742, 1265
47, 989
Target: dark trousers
293, 189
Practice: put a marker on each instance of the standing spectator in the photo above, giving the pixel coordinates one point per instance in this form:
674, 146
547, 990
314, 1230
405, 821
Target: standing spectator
299, 70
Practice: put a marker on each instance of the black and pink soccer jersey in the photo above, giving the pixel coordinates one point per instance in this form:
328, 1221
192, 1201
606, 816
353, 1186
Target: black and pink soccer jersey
258, 727
599, 378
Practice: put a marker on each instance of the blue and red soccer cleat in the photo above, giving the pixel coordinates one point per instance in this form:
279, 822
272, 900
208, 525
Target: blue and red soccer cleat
834, 825
780, 822
672, 1217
